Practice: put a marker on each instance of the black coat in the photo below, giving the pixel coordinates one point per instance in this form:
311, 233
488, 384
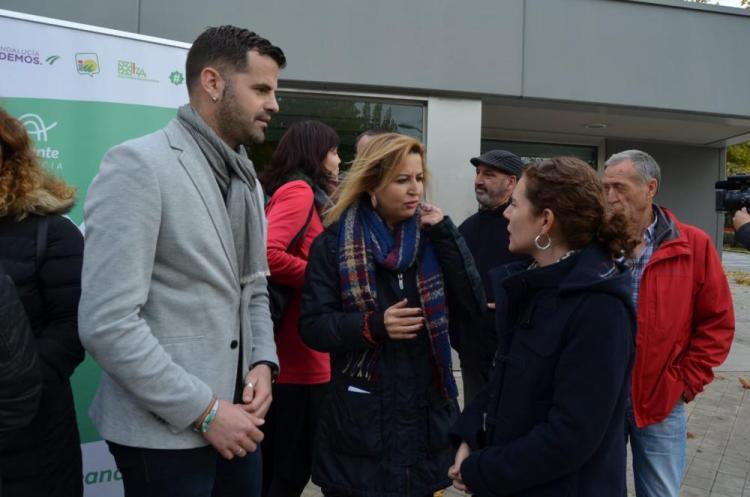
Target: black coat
486, 235
393, 441
551, 421
44, 458
20, 378
742, 236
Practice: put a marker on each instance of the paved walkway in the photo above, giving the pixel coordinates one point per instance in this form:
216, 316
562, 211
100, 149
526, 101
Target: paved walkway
736, 261
718, 459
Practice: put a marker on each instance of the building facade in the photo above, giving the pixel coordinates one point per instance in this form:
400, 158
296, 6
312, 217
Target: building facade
542, 78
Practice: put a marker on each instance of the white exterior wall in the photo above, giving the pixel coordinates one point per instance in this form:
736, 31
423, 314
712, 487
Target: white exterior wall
454, 131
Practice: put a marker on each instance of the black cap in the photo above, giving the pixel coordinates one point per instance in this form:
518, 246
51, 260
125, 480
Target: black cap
503, 160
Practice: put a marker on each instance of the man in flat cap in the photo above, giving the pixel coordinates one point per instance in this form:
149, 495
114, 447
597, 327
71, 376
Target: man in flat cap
486, 234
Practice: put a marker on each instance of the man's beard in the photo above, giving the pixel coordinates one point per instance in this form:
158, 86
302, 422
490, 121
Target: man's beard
232, 123
487, 200
484, 199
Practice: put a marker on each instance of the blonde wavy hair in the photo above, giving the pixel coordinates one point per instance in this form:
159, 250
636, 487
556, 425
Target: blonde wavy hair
373, 168
25, 186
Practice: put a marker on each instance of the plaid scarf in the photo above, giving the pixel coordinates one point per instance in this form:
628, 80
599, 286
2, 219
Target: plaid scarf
365, 241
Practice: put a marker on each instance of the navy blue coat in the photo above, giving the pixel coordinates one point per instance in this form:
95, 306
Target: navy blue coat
551, 422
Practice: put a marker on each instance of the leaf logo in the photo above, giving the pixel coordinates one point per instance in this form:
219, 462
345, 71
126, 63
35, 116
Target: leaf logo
35, 126
52, 59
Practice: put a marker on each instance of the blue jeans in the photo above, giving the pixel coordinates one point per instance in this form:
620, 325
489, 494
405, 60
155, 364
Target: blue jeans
658, 453
200, 472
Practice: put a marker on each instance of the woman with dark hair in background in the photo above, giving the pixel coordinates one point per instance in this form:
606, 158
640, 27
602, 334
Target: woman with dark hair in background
42, 253
300, 178
382, 282
551, 420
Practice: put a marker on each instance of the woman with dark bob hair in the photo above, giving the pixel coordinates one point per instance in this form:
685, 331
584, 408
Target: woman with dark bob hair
42, 253
551, 420
383, 280
302, 174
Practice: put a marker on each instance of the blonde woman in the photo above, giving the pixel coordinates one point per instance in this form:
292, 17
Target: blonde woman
42, 251
380, 283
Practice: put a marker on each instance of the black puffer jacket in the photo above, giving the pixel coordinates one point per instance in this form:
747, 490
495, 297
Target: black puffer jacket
45, 457
20, 379
392, 441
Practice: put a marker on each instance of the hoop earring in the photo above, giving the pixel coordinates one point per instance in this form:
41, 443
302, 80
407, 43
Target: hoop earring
539, 245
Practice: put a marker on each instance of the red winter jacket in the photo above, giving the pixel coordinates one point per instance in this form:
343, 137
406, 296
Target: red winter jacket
287, 211
685, 320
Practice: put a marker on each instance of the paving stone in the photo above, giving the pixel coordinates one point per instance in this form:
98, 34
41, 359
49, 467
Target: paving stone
712, 446
739, 453
736, 460
728, 484
701, 482
709, 454
700, 464
734, 469
688, 491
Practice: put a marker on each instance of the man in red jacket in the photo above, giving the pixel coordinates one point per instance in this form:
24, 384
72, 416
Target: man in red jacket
685, 322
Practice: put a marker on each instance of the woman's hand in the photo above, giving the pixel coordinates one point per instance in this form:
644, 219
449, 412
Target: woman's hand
454, 472
401, 322
429, 215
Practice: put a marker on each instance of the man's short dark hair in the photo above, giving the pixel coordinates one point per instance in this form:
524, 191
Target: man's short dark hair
226, 47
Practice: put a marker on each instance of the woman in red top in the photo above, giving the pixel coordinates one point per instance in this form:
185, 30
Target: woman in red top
302, 174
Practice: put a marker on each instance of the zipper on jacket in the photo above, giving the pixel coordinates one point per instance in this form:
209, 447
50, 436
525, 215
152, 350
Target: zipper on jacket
484, 422
400, 281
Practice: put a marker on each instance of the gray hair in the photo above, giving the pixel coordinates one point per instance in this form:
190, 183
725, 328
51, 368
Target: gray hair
644, 164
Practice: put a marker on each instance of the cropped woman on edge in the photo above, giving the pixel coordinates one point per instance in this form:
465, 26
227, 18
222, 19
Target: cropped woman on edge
551, 421
42, 252
382, 282
302, 174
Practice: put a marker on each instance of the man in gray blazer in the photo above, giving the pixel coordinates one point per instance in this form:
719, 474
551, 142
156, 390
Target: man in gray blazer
174, 305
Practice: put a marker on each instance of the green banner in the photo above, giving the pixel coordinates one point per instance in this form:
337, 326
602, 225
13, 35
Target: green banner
70, 138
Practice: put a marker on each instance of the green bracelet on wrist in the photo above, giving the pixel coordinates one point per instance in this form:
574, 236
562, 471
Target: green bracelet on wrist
210, 417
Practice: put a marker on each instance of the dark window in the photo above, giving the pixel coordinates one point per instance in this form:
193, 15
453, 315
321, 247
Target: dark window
530, 152
349, 116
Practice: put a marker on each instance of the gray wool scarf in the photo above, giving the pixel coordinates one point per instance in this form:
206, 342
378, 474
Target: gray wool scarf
235, 175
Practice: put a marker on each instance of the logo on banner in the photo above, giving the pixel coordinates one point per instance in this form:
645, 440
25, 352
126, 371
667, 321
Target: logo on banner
38, 130
176, 78
87, 63
51, 59
103, 476
22, 55
36, 127
131, 70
